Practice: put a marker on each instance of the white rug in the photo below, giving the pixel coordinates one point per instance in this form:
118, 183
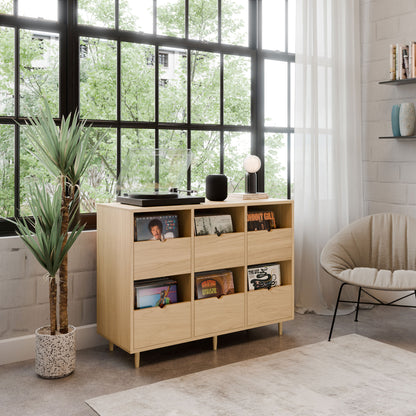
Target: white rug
349, 376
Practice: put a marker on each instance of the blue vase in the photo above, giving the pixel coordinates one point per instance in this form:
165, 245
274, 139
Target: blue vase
395, 123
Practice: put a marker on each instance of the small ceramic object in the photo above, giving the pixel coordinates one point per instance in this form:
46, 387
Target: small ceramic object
395, 126
407, 118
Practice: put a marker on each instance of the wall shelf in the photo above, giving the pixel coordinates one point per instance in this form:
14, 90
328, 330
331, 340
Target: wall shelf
399, 137
399, 81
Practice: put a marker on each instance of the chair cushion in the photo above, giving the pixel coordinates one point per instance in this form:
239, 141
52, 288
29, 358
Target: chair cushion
379, 279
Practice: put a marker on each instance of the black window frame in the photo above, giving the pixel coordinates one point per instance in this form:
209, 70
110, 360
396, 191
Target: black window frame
70, 34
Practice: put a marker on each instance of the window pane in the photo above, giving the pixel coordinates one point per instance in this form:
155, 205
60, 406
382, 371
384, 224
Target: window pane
7, 171
275, 165
292, 25
237, 90
174, 159
172, 90
275, 93
43, 9
31, 172
98, 79
292, 95
6, 7
234, 21
203, 20
7, 72
137, 161
96, 13
237, 146
137, 82
39, 71
100, 180
205, 87
274, 24
171, 18
136, 15
205, 158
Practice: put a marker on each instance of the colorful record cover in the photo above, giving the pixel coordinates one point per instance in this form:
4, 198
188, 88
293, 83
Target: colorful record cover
156, 292
215, 283
263, 276
159, 227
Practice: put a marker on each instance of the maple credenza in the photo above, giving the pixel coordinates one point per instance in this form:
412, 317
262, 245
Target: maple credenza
121, 262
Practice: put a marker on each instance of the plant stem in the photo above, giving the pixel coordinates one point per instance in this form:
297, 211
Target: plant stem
52, 304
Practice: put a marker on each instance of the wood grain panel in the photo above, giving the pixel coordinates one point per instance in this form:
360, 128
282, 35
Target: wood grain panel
157, 258
269, 246
214, 315
266, 305
216, 252
153, 326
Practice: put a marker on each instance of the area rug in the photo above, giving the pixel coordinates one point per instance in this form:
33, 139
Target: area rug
349, 376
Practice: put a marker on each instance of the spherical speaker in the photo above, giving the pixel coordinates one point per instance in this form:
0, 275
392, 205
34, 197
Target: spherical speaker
216, 187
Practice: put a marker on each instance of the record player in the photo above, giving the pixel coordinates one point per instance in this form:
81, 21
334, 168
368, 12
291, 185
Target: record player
141, 181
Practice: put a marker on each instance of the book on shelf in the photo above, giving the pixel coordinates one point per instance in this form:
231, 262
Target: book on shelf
213, 224
402, 61
263, 276
155, 292
261, 220
213, 283
160, 227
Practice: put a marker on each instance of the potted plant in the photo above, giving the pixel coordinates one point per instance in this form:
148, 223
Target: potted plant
66, 152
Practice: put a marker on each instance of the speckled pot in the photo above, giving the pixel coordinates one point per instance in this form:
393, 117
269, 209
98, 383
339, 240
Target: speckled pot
55, 354
407, 118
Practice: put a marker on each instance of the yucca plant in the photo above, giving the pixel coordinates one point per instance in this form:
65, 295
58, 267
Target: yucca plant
42, 234
66, 152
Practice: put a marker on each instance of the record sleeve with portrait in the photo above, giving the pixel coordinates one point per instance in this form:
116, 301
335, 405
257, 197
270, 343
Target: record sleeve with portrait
159, 227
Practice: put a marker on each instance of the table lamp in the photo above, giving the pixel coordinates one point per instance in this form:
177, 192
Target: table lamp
251, 165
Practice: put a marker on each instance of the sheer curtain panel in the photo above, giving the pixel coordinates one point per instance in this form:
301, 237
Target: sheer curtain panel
327, 145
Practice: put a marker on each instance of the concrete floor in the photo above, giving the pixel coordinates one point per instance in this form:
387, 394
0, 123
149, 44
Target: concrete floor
101, 372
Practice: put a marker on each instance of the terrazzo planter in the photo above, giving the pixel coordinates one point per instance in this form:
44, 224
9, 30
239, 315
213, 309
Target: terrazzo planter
407, 118
55, 354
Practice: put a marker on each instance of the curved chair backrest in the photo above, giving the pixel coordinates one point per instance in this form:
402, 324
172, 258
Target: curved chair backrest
379, 241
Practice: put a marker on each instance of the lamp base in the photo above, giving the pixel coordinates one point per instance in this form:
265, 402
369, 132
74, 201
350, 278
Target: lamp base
248, 196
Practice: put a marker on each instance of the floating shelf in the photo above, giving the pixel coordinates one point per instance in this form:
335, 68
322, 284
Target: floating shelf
399, 81
398, 137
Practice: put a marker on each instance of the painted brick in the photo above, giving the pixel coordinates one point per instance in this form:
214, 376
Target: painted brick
75, 312
389, 172
42, 289
387, 28
411, 189
85, 284
12, 263
89, 309
16, 293
24, 321
392, 193
370, 171
4, 322
378, 207
83, 254
408, 172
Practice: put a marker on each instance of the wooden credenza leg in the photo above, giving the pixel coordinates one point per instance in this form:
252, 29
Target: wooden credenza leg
214, 342
137, 360
111, 347
280, 328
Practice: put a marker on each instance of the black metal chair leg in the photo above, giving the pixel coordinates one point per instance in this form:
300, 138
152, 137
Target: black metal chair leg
358, 305
335, 311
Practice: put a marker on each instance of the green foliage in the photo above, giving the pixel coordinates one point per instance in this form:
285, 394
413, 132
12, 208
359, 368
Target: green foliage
43, 235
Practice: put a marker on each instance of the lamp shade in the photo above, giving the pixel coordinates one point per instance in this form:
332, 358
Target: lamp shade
252, 163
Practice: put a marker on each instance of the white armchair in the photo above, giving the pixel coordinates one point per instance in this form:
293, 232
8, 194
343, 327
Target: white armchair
374, 252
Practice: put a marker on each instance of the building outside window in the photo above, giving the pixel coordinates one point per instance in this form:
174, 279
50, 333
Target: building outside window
205, 82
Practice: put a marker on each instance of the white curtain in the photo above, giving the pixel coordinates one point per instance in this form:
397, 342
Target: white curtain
327, 144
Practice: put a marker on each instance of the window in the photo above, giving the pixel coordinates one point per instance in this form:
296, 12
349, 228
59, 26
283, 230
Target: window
191, 84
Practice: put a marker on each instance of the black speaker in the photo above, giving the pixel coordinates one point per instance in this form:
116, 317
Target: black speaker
216, 187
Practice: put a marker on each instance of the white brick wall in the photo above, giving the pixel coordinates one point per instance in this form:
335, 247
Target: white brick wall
389, 165
24, 296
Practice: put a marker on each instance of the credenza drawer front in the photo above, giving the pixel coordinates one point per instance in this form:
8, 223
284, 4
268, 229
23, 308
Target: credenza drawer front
215, 252
219, 314
270, 305
157, 258
269, 246
162, 325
